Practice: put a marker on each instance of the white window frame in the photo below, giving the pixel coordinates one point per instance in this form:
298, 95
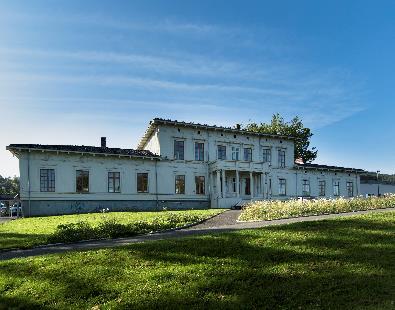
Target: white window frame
235, 153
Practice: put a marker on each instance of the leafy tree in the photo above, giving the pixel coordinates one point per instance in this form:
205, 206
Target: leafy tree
9, 185
294, 128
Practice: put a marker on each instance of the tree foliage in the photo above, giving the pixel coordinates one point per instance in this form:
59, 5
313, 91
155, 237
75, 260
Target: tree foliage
9, 185
294, 128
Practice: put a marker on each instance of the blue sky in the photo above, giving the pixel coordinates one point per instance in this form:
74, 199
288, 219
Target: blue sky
73, 71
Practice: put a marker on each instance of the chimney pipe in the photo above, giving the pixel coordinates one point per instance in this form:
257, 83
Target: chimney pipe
103, 142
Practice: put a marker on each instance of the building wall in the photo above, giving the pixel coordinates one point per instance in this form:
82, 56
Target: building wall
160, 194
211, 139
371, 189
153, 143
162, 174
329, 177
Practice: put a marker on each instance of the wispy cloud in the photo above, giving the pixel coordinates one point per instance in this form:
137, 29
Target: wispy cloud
110, 76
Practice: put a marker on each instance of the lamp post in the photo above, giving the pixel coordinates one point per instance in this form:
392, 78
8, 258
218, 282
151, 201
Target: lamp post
378, 184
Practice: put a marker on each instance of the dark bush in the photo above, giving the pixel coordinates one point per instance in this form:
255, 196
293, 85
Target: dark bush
108, 229
73, 232
113, 229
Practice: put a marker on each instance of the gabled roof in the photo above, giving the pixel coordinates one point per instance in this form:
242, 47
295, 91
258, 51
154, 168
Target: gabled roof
326, 167
81, 149
160, 121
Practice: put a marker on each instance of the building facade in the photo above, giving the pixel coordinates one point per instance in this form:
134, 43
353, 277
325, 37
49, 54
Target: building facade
176, 165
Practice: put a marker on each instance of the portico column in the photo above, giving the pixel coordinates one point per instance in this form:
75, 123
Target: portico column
218, 184
251, 185
262, 182
237, 184
223, 183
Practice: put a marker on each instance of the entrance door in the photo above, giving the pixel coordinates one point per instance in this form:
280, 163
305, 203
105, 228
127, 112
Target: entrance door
247, 189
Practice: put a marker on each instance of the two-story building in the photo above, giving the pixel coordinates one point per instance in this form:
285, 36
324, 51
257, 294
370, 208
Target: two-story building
176, 165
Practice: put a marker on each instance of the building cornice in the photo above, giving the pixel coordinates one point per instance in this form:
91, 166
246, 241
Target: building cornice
159, 121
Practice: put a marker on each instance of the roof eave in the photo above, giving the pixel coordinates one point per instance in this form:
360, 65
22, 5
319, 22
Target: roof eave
13, 149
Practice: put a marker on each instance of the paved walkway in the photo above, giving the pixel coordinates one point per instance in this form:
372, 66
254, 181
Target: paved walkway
222, 223
4, 219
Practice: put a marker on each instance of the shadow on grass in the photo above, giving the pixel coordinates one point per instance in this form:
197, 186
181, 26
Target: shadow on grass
329, 264
16, 240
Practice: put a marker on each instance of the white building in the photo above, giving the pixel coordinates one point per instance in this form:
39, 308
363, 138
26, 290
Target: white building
176, 165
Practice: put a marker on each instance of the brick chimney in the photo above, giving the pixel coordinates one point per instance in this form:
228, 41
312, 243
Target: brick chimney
103, 142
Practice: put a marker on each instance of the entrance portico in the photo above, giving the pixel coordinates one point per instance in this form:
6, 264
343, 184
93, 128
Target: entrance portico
233, 186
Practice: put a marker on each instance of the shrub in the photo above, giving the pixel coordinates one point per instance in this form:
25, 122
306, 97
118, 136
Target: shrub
113, 229
110, 228
269, 210
73, 232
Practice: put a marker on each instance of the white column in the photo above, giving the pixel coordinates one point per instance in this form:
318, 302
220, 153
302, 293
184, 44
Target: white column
237, 184
251, 185
223, 184
262, 187
218, 184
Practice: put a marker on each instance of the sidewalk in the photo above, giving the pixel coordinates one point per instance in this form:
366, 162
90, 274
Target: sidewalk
222, 223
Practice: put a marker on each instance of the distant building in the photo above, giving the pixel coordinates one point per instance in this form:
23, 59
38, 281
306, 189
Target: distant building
373, 184
176, 165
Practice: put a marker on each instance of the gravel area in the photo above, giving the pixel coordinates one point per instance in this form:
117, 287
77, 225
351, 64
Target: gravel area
224, 219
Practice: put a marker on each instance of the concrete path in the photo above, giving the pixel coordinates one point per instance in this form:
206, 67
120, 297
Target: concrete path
221, 223
5, 219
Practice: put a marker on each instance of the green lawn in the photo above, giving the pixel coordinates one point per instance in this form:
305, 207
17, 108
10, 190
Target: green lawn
28, 232
343, 263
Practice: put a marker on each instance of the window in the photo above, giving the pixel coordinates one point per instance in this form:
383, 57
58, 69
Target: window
82, 181
199, 181
267, 155
180, 184
221, 150
235, 153
248, 154
234, 185
321, 188
199, 151
179, 149
350, 189
282, 187
281, 158
142, 182
336, 188
47, 180
306, 188
114, 182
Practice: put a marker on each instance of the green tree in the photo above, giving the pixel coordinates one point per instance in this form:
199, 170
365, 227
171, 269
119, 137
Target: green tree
9, 185
294, 128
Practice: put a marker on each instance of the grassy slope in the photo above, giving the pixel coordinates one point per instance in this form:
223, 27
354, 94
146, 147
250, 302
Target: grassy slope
28, 232
345, 263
